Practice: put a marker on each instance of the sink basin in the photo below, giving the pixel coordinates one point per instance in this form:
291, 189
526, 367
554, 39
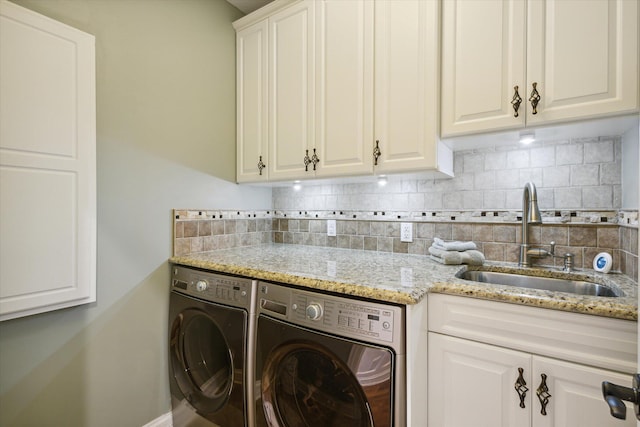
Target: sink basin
579, 287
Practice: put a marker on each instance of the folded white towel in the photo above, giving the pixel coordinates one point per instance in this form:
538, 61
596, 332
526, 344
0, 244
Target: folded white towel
471, 256
453, 246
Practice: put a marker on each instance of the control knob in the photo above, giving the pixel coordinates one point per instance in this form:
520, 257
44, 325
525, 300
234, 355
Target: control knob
201, 285
314, 311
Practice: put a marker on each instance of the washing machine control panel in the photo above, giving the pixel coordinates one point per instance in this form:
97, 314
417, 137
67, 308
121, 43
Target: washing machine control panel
229, 290
353, 318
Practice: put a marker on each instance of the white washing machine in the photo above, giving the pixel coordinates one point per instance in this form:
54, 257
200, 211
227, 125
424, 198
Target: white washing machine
211, 317
328, 361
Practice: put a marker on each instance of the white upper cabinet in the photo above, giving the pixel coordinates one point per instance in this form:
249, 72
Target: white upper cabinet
47, 164
582, 58
407, 39
483, 59
291, 96
344, 87
252, 98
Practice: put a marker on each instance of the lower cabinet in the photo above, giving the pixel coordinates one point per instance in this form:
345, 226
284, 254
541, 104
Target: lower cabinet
473, 384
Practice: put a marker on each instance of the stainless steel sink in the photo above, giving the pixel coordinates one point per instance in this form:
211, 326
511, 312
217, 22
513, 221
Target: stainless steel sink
579, 287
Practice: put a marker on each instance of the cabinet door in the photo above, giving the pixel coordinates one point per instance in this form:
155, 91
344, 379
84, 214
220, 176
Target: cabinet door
47, 164
290, 90
583, 57
406, 84
473, 384
344, 87
576, 395
252, 93
483, 58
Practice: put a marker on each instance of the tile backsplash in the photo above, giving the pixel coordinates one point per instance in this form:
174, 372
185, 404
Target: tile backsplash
579, 193
576, 174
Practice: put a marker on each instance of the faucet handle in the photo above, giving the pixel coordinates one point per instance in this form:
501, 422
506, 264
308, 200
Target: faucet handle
552, 249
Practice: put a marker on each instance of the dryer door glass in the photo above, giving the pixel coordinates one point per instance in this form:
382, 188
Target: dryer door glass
202, 362
304, 384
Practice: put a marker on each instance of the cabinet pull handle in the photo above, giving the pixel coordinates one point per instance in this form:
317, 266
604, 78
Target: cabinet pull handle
261, 165
315, 159
376, 153
534, 98
306, 161
521, 387
543, 394
515, 101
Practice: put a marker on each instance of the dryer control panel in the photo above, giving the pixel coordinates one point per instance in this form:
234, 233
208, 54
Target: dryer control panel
229, 290
368, 321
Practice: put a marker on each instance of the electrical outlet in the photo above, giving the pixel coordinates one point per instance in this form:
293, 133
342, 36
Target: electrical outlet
406, 232
331, 227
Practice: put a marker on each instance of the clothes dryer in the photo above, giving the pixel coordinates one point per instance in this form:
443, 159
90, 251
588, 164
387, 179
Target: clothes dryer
328, 361
211, 318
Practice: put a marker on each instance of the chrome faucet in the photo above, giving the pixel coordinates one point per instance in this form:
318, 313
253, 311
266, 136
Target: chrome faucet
530, 215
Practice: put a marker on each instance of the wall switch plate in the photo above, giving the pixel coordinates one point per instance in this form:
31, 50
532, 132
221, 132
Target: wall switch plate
331, 227
406, 232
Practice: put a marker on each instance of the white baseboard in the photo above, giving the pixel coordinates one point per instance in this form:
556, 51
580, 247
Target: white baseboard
163, 420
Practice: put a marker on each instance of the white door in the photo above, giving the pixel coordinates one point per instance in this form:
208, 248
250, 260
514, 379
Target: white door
47, 164
291, 101
583, 57
344, 87
575, 395
406, 84
483, 59
473, 384
252, 100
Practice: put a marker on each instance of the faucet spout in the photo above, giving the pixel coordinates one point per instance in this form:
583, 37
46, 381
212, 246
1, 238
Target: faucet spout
530, 215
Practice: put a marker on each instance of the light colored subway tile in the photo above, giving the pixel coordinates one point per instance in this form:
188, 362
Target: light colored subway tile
458, 163
416, 201
530, 175
610, 173
557, 176
385, 244
485, 180
569, 154
433, 200
473, 163
545, 198
518, 159
508, 178
543, 156
426, 185
453, 200
463, 232
494, 199
462, 182
409, 185
599, 152
584, 175
600, 196
617, 196
495, 161
513, 199
472, 199
568, 198
400, 202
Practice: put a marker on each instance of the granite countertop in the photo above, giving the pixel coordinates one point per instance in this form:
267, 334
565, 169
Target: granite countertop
402, 278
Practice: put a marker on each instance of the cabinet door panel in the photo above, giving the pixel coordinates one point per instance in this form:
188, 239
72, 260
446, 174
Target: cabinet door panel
291, 90
344, 87
583, 57
252, 92
576, 395
406, 81
472, 384
483, 59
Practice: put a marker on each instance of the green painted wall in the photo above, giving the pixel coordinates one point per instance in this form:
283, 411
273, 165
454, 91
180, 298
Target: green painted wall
166, 139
